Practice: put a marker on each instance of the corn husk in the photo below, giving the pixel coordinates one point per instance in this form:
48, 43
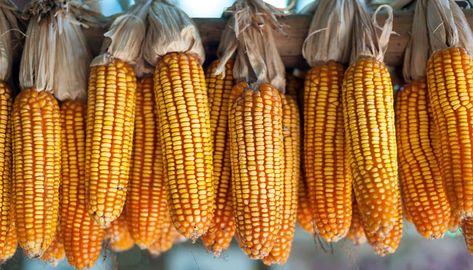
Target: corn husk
249, 37
330, 33
170, 30
9, 34
55, 57
369, 38
310, 8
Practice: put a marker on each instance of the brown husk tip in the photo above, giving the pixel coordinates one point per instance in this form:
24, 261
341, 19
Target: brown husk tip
249, 38
170, 30
330, 33
10, 35
55, 57
369, 38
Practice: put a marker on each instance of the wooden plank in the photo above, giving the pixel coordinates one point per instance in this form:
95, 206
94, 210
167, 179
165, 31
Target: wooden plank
290, 43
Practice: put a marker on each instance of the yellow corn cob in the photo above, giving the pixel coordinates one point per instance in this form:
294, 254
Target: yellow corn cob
36, 169
328, 177
294, 86
186, 140
82, 237
110, 120
222, 228
146, 200
467, 228
370, 134
449, 77
384, 244
304, 210
165, 241
6, 197
8, 246
356, 233
55, 252
424, 198
255, 125
292, 167
119, 236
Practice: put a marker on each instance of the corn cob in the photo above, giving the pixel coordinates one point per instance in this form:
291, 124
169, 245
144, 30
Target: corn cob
165, 241
423, 193
291, 131
327, 173
222, 228
304, 210
467, 228
449, 74
55, 252
356, 233
6, 219
36, 168
183, 115
294, 85
255, 125
82, 237
119, 236
110, 120
146, 200
370, 134
9, 245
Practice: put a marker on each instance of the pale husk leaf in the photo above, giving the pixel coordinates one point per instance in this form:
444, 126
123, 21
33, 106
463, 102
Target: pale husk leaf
330, 33
9, 31
369, 38
396, 4
125, 37
55, 57
256, 57
170, 30
418, 49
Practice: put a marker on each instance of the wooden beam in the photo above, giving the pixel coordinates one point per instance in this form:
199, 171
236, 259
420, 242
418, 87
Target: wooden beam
289, 44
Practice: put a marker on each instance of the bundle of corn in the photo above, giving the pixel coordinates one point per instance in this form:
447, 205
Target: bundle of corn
450, 91
81, 236
329, 182
118, 235
55, 252
264, 197
424, 197
173, 45
356, 233
111, 114
368, 110
8, 22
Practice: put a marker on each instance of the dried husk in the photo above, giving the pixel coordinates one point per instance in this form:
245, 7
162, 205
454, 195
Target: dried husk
330, 33
55, 57
418, 49
396, 4
9, 34
249, 37
170, 30
125, 37
369, 38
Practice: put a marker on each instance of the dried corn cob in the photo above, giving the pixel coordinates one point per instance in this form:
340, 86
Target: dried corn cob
55, 252
305, 216
291, 132
36, 169
146, 200
119, 235
294, 86
327, 174
181, 96
356, 233
423, 193
467, 228
82, 237
9, 245
255, 126
165, 241
449, 74
6, 219
110, 123
222, 228
367, 101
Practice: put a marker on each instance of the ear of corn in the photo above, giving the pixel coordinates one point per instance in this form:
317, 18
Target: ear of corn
146, 204
370, 134
449, 76
222, 229
327, 173
292, 167
36, 169
424, 198
305, 216
55, 252
119, 236
110, 120
356, 233
6, 196
166, 240
82, 237
467, 228
184, 119
256, 147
